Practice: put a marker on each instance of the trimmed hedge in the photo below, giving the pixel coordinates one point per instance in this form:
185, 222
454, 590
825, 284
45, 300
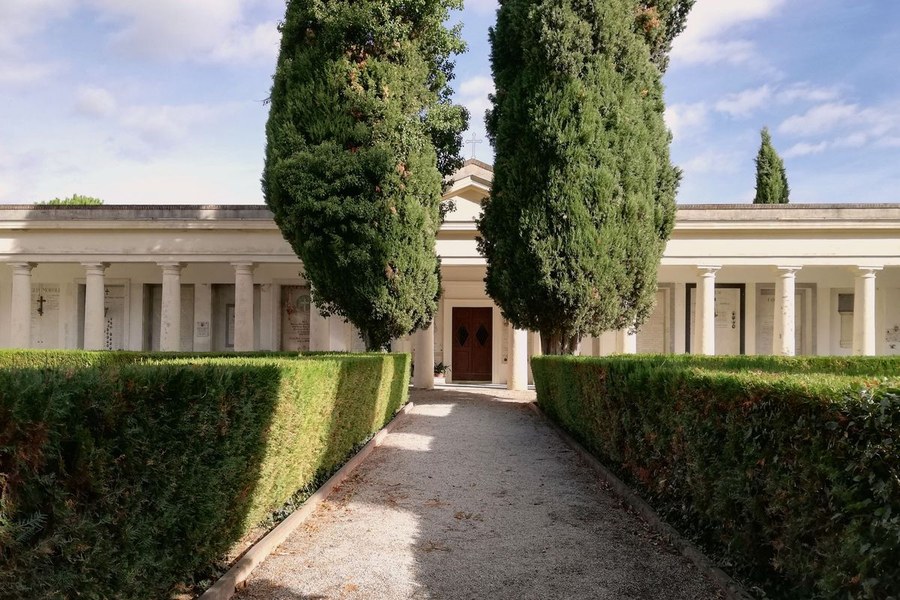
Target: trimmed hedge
833, 365
124, 478
794, 477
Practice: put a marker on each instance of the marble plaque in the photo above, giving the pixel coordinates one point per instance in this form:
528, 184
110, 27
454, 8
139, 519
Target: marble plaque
45, 316
728, 321
114, 317
295, 318
653, 335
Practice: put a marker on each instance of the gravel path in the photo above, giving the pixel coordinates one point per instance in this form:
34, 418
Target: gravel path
474, 496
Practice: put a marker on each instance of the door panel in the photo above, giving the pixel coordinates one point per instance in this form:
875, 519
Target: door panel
472, 337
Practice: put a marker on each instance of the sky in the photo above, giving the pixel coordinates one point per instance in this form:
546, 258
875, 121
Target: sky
163, 102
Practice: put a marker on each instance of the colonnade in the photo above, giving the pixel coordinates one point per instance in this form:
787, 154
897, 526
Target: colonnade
783, 339
94, 305
704, 332
331, 333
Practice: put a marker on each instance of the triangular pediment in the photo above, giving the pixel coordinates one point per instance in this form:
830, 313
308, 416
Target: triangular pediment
471, 186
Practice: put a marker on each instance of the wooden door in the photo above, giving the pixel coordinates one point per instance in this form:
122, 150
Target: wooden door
473, 341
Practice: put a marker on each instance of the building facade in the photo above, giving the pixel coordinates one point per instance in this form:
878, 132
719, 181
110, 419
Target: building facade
791, 279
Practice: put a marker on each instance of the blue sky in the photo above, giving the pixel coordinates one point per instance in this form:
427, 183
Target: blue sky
161, 102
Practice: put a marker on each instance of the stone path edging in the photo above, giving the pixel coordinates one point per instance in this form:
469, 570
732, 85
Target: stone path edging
225, 587
733, 590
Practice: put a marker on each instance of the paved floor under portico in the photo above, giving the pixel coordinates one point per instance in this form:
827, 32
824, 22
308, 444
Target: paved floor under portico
474, 496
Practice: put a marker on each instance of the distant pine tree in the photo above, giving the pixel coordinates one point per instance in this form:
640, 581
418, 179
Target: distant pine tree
583, 197
361, 134
771, 178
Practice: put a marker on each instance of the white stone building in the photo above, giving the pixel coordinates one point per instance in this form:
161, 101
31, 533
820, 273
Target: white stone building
795, 279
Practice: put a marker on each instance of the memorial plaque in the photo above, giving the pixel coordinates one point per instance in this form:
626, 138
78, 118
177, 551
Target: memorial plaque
654, 333
295, 317
45, 316
765, 320
728, 321
114, 317
202, 329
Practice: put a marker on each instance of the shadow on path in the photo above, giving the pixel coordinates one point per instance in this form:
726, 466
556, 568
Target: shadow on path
474, 496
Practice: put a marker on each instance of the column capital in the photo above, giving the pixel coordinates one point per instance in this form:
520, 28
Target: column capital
786, 271
23, 268
708, 270
867, 271
171, 267
243, 267
95, 268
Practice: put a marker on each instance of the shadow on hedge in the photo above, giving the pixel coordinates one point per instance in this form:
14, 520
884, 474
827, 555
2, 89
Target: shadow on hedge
123, 481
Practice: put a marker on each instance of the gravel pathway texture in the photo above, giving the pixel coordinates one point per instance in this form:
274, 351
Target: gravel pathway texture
474, 496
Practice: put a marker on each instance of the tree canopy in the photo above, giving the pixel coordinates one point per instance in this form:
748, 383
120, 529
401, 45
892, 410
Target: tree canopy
661, 21
771, 178
360, 136
74, 200
583, 198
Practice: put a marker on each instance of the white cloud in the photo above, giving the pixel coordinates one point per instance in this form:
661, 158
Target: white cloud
16, 169
19, 20
684, 119
820, 119
16, 73
804, 92
709, 36
482, 7
805, 149
94, 102
473, 94
254, 45
23, 18
203, 30
744, 103
141, 130
162, 126
842, 126
712, 162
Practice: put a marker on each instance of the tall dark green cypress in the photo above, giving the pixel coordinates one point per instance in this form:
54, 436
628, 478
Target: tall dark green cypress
361, 134
661, 21
583, 198
771, 178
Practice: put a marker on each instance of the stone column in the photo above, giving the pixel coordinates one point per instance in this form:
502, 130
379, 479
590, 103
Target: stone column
243, 307
423, 357
706, 311
170, 319
864, 312
626, 343
783, 339
94, 306
518, 360
20, 312
319, 335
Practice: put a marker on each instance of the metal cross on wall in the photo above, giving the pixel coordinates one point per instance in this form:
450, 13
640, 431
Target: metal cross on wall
474, 141
40, 303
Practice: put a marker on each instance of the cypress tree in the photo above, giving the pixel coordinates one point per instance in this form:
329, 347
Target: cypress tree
771, 178
661, 21
360, 136
583, 198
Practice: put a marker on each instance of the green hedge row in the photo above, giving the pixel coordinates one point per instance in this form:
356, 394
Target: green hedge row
84, 358
834, 365
792, 477
122, 478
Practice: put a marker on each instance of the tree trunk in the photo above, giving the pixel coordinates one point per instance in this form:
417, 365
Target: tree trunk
558, 343
371, 344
